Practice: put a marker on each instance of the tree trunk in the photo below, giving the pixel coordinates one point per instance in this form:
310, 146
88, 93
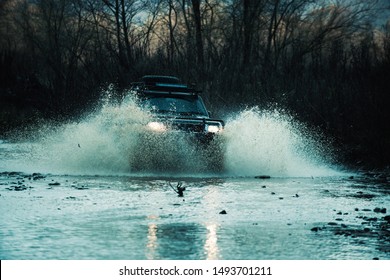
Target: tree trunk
125, 26
198, 36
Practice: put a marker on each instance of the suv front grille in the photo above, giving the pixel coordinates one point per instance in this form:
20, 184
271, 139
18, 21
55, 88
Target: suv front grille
188, 127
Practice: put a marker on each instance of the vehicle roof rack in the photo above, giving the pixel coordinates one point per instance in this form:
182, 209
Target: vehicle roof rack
153, 79
163, 88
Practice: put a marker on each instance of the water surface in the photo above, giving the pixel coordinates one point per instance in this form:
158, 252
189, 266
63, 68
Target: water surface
71, 192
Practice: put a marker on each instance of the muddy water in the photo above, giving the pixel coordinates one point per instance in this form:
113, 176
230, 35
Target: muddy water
71, 192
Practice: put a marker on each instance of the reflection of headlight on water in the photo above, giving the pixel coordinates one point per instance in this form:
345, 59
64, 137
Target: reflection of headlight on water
157, 126
213, 128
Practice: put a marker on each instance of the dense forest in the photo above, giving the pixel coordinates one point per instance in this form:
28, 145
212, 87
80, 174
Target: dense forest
327, 62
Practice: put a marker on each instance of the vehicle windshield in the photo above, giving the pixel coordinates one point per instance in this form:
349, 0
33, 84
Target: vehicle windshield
175, 105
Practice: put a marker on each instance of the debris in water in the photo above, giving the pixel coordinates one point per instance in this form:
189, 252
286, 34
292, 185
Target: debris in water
17, 188
380, 210
223, 212
263, 177
80, 187
37, 176
179, 189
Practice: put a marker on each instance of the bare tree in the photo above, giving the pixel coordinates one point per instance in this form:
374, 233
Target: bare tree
198, 35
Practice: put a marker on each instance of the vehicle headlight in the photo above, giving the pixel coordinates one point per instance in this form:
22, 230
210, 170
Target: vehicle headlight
213, 128
157, 126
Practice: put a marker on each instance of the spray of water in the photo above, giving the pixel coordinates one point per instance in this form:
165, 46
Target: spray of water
271, 142
107, 142
102, 143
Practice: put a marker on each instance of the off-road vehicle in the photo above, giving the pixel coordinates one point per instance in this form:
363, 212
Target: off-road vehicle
181, 132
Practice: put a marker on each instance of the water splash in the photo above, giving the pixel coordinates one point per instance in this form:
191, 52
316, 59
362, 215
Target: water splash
99, 144
272, 143
106, 142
